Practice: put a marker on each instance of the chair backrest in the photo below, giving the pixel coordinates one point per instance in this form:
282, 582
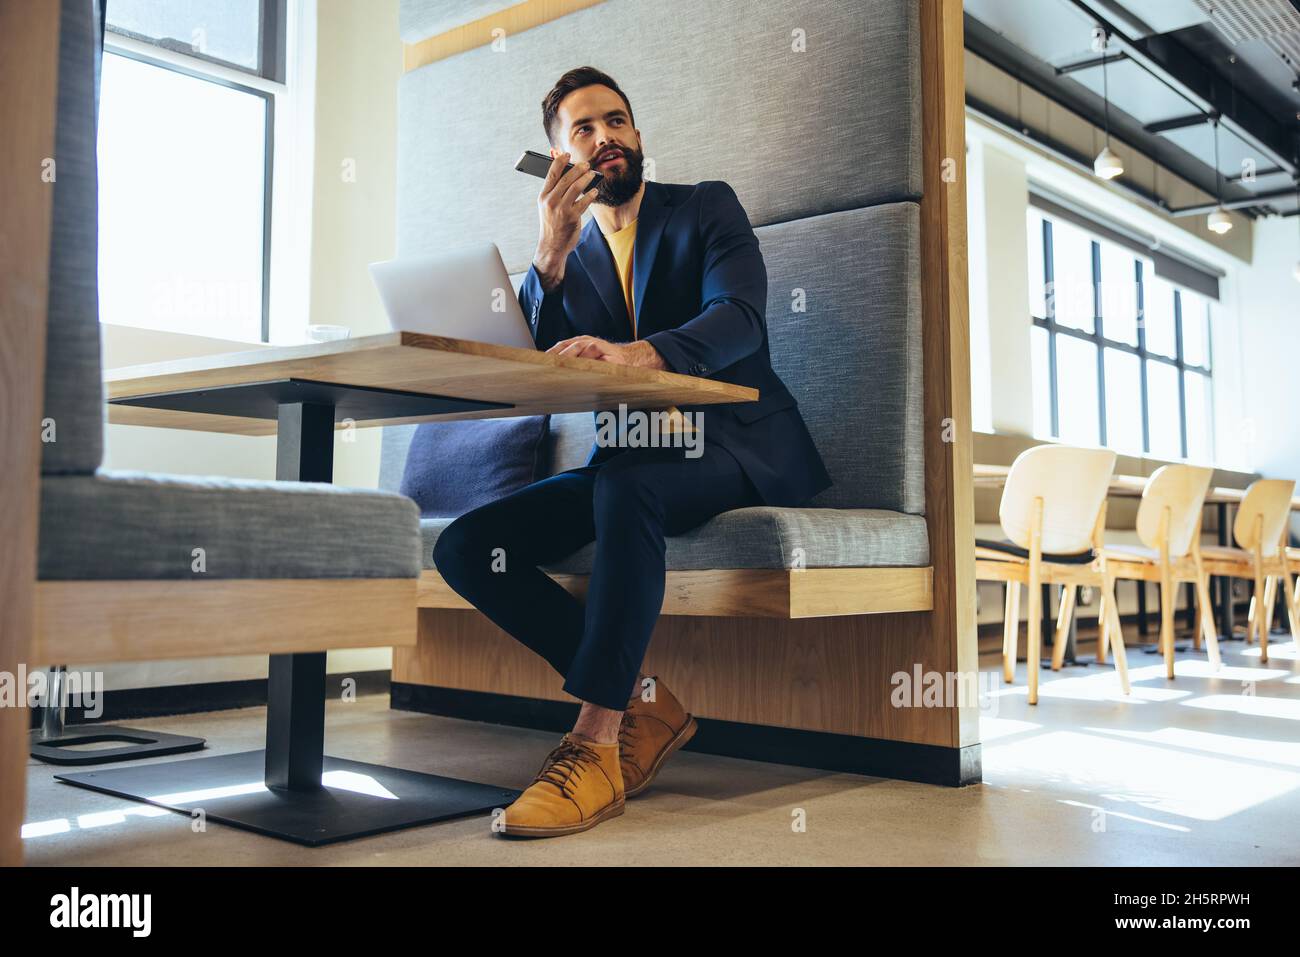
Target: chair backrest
1180, 489
1263, 514
1072, 484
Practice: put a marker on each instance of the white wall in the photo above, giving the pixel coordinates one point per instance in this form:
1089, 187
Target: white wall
1268, 304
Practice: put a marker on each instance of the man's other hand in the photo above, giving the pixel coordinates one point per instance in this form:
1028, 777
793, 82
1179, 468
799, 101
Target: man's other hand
641, 354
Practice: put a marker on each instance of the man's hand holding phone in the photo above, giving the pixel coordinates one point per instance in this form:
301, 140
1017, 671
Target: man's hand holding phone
565, 196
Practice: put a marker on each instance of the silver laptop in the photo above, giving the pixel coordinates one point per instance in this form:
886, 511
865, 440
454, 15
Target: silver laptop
464, 294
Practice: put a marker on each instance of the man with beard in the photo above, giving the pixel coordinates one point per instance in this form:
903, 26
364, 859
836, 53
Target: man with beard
663, 277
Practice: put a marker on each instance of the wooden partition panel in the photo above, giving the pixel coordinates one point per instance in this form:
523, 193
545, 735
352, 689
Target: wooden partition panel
949, 493
29, 57
829, 675
485, 30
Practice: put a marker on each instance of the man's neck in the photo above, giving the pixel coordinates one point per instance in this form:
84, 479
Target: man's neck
613, 218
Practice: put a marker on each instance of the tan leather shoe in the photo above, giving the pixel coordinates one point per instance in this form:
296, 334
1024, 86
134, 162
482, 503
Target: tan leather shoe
579, 786
651, 731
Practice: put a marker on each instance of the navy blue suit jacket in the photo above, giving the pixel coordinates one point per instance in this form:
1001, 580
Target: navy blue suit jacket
700, 292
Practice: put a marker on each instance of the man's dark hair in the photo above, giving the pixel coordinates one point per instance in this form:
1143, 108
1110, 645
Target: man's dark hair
576, 80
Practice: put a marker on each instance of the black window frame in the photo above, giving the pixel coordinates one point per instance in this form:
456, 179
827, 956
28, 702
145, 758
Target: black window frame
272, 17
1099, 339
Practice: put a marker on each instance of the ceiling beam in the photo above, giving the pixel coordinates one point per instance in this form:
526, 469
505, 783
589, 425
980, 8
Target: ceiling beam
1259, 199
1178, 123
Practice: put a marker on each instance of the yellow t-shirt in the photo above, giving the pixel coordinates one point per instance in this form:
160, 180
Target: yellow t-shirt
621, 244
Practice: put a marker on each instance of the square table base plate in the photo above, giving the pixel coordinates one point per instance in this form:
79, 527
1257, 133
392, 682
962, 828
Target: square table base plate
361, 800
137, 744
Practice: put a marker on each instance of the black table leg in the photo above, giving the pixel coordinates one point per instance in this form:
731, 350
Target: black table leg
1142, 607
291, 790
295, 691
1227, 623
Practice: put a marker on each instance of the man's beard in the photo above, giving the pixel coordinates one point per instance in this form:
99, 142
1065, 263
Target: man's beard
617, 190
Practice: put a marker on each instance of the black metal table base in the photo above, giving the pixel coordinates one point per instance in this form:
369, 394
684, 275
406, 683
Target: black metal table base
137, 744
291, 790
355, 800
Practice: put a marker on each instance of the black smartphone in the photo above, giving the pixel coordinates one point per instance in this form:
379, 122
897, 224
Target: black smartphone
539, 164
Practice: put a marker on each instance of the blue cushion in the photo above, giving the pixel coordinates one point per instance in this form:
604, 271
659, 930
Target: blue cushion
453, 467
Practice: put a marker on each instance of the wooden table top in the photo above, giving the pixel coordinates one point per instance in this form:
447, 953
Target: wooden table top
533, 382
1121, 486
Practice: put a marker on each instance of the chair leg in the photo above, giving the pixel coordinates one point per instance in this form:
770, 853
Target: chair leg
1033, 628
1260, 614
1063, 616
1296, 604
1292, 613
1168, 597
1208, 628
1270, 602
1103, 625
1265, 618
1115, 630
1010, 632
1201, 611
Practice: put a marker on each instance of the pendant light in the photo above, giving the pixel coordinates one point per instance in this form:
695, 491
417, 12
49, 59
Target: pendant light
1107, 165
1218, 221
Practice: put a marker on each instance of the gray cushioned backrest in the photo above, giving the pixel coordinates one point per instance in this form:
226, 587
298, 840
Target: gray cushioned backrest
844, 330
74, 397
853, 356
805, 107
427, 18
572, 437
392, 455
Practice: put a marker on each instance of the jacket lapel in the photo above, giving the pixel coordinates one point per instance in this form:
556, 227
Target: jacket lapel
649, 229
593, 253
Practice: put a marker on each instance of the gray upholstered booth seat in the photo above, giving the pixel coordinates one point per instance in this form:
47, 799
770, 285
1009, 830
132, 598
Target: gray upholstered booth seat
135, 525
842, 247
766, 537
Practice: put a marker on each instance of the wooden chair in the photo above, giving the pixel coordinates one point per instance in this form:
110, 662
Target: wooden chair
1261, 556
1293, 566
1053, 512
1169, 526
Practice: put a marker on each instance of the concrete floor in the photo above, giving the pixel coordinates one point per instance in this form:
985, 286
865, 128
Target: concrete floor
1201, 771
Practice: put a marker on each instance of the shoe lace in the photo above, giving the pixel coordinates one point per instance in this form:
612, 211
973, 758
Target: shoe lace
627, 730
564, 764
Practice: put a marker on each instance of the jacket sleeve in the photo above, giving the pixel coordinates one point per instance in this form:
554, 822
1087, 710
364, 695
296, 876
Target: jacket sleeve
733, 293
544, 311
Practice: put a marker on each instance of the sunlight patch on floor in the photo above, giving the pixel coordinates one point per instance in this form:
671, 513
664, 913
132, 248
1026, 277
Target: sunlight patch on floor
1257, 706
1148, 776
1231, 745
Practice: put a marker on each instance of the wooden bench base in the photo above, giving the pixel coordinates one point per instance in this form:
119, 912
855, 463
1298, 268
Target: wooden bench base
759, 592
877, 757
104, 621
837, 678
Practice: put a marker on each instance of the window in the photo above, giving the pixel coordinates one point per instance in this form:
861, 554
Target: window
1121, 357
189, 94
